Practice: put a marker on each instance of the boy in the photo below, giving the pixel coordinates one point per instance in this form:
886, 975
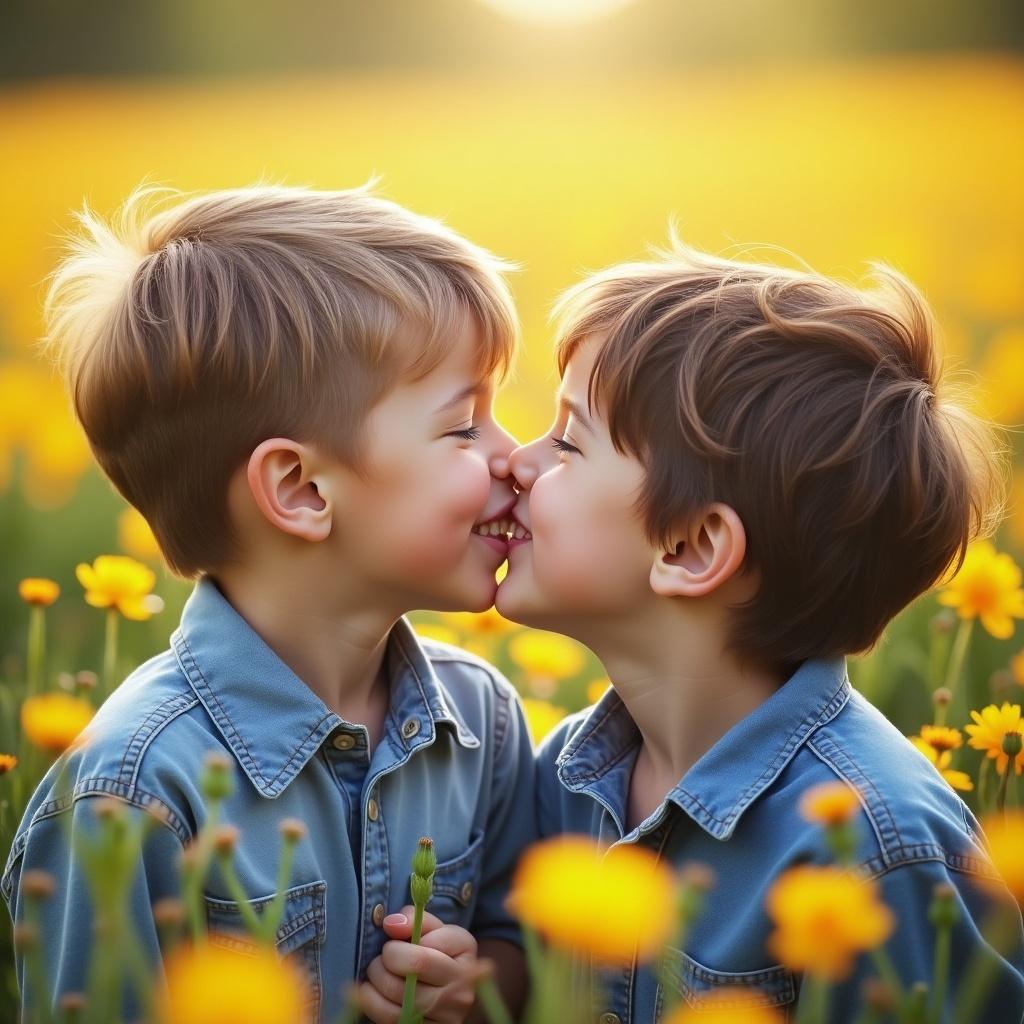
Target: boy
749, 475
294, 388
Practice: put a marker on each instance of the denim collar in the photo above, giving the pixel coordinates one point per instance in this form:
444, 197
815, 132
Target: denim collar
272, 721
727, 779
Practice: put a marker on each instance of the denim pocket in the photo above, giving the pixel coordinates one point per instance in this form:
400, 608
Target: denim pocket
299, 935
703, 989
456, 881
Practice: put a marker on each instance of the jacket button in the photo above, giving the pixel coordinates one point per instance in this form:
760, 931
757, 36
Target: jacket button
378, 915
609, 1018
372, 810
343, 741
410, 727
466, 891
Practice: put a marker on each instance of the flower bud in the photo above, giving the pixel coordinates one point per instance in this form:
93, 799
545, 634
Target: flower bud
216, 782
943, 911
421, 888
225, 839
878, 996
942, 697
72, 1005
944, 621
424, 860
1013, 742
169, 912
38, 885
86, 681
26, 936
292, 830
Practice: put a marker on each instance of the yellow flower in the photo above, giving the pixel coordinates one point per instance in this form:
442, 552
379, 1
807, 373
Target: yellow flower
53, 721
1004, 840
38, 591
941, 759
824, 917
546, 654
992, 725
116, 581
830, 803
597, 689
1017, 668
213, 985
586, 901
490, 622
7, 762
434, 631
942, 737
728, 1005
988, 586
541, 717
136, 536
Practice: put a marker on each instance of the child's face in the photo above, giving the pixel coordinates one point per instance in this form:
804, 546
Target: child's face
588, 556
437, 465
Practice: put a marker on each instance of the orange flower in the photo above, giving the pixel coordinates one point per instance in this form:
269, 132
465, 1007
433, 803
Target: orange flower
117, 581
830, 803
992, 724
728, 1005
824, 917
7, 762
38, 591
53, 721
1004, 840
941, 737
987, 587
957, 779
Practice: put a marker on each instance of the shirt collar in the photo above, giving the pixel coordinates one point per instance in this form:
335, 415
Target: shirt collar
272, 721
730, 776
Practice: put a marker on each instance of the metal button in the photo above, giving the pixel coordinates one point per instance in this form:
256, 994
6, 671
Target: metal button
378, 915
410, 727
609, 1018
343, 741
466, 891
372, 810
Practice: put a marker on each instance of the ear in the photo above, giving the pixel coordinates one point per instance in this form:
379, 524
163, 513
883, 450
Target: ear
703, 555
288, 486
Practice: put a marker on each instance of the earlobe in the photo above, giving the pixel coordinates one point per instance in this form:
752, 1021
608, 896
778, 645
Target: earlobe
702, 557
287, 490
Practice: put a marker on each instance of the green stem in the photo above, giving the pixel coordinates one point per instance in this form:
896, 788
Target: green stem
490, 999
195, 873
983, 775
110, 653
407, 1015
1001, 793
35, 966
981, 968
36, 648
889, 975
272, 915
814, 1008
241, 897
954, 669
940, 975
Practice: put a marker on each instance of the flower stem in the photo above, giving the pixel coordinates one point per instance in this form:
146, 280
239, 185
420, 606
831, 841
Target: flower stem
1001, 792
36, 649
814, 1008
1000, 932
241, 897
407, 1015
940, 976
272, 915
491, 1001
109, 654
954, 668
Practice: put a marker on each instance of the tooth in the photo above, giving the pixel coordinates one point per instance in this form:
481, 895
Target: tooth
519, 532
495, 530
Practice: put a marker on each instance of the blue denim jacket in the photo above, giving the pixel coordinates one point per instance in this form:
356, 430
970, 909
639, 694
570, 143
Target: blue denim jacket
736, 810
454, 763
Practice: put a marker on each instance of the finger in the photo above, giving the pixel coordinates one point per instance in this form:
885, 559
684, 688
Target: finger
399, 926
456, 942
375, 1007
390, 986
431, 966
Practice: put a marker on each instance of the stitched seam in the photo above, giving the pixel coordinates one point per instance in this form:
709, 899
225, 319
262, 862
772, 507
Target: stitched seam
187, 702
179, 641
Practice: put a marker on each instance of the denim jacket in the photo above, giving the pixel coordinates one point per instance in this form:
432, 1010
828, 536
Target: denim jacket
737, 811
454, 763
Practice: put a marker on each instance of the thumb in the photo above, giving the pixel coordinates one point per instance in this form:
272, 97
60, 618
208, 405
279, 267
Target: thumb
399, 926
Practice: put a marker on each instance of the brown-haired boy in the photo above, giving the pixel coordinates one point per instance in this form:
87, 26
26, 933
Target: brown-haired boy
294, 387
751, 471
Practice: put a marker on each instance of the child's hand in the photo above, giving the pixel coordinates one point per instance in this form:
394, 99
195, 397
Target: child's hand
444, 962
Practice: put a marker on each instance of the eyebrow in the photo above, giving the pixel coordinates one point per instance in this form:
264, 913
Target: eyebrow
569, 406
470, 391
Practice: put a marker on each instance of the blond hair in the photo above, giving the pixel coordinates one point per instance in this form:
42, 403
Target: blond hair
191, 328
817, 411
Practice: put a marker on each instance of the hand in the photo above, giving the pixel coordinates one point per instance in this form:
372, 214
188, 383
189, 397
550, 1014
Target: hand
444, 962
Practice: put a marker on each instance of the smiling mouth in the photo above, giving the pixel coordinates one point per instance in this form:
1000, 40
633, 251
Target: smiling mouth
506, 529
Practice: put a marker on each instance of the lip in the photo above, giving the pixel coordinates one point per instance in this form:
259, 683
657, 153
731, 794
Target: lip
517, 541
502, 513
494, 543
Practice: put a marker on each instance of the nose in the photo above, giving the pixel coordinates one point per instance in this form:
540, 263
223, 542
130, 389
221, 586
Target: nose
500, 449
527, 463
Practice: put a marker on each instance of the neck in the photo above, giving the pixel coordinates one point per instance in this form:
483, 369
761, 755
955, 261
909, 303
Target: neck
333, 641
684, 691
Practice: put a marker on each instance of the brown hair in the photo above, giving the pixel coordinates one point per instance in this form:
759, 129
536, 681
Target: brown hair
814, 410
190, 334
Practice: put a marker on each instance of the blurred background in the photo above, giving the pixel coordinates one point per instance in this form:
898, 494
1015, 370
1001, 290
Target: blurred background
562, 134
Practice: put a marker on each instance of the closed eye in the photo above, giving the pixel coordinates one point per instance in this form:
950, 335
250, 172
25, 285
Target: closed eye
564, 446
469, 434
